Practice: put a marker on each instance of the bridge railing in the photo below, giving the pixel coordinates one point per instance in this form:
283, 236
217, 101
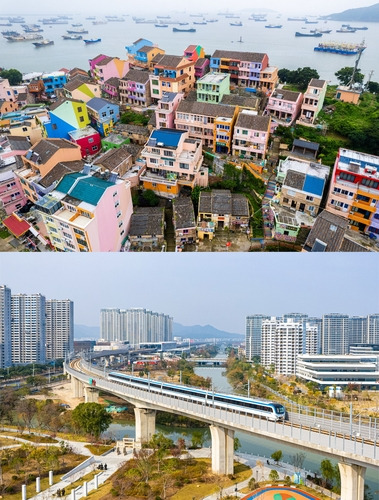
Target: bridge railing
304, 432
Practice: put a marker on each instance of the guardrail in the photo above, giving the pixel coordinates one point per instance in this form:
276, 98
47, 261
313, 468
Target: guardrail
306, 433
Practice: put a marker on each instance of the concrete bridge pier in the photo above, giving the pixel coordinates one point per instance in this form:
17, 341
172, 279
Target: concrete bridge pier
145, 425
77, 387
352, 481
222, 450
91, 395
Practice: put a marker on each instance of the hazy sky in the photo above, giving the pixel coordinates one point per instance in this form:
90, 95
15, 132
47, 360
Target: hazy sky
200, 288
163, 6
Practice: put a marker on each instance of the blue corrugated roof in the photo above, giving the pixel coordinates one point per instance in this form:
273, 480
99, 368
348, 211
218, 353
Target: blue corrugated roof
168, 137
88, 189
314, 185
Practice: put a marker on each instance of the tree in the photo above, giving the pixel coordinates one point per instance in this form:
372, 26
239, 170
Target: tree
373, 87
274, 475
297, 461
327, 472
161, 446
304, 76
277, 455
197, 439
26, 409
237, 444
344, 75
150, 197
12, 75
91, 418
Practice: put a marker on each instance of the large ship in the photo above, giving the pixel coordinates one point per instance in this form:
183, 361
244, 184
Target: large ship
92, 40
317, 35
80, 31
32, 28
346, 49
178, 30
43, 43
72, 37
24, 38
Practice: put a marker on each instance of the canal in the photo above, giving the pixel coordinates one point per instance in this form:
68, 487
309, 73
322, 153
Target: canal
250, 443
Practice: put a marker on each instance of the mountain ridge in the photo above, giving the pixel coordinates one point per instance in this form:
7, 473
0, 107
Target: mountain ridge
360, 14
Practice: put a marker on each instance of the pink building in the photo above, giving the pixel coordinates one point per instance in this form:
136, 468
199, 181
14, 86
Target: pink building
201, 67
134, 88
88, 212
109, 67
172, 161
251, 134
11, 194
284, 106
12, 149
94, 61
165, 112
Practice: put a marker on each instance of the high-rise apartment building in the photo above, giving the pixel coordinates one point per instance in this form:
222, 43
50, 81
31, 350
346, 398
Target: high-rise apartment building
253, 335
282, 341
358, 330
59, 328
311, 339
5, 327
335, 333
136, 325
372, 329
28, 328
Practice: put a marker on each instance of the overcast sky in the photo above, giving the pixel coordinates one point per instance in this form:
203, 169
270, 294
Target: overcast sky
200, 288
321, 7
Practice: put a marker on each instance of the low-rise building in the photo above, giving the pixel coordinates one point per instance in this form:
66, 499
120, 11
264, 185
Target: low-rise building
147, 228
212, 87
134, 88
313, 101
40, 159
115, 160
194, 52
212, 123
12, 148
201, 67
12, 196
251, 135
88, 139
354, 190
347, 94
340, 370
54, 81
7, 106
144, 56
219, 209
82, 88
166, 109
172, 74
184, 220
114, 141
330, 233
137, 134
284, 106
110, 88
173, 160
103, 115
302, 185
87, 212
108, 67
65, 116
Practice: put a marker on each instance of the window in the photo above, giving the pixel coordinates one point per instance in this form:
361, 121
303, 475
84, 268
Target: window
80, 109
370, 183
54, 126
347, 177
94, 148
153, 160
244, 132
91, 140
184, 166
111, 112
169, 163
24, 129
155, 91
67, 235
156, 151
309, 198
81, 119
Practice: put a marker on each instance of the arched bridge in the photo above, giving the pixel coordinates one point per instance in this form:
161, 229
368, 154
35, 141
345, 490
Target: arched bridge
331, 438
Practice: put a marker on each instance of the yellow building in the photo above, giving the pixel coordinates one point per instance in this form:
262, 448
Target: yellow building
171, 74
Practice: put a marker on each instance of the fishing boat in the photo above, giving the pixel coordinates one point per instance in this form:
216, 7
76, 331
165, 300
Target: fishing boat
163, 17
76, 25
27, 37
346, 29
183, 24
212, 20
273, 26
72, 37
91, 18
17, 19
199, 22
260, 20
115, 19
92, 40
317, 35
10, 33
161, 25
54, 20
345, 49
321, 31
96, 23
81, 31
236, 24
32, 28
310, 22
358, 27
43, 43
297, 19
6, 24
189, 30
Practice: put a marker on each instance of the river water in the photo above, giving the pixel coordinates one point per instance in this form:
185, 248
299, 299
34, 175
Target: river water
250, 443
283, 48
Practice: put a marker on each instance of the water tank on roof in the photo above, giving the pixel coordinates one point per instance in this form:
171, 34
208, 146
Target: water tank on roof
160, 144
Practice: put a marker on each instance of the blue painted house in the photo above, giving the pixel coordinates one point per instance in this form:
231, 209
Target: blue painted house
103, 115
65, 116
53, 81
138, 44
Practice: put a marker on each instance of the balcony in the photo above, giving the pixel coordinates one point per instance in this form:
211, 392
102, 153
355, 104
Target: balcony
156, 178
364, 206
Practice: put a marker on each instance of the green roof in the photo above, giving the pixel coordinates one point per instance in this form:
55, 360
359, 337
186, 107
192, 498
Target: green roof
87, 189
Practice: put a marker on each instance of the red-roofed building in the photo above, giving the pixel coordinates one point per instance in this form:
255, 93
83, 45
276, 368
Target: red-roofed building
16, 226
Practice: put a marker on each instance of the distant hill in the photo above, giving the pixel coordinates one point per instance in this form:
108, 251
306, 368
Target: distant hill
361, 14
83, 332
203, 332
